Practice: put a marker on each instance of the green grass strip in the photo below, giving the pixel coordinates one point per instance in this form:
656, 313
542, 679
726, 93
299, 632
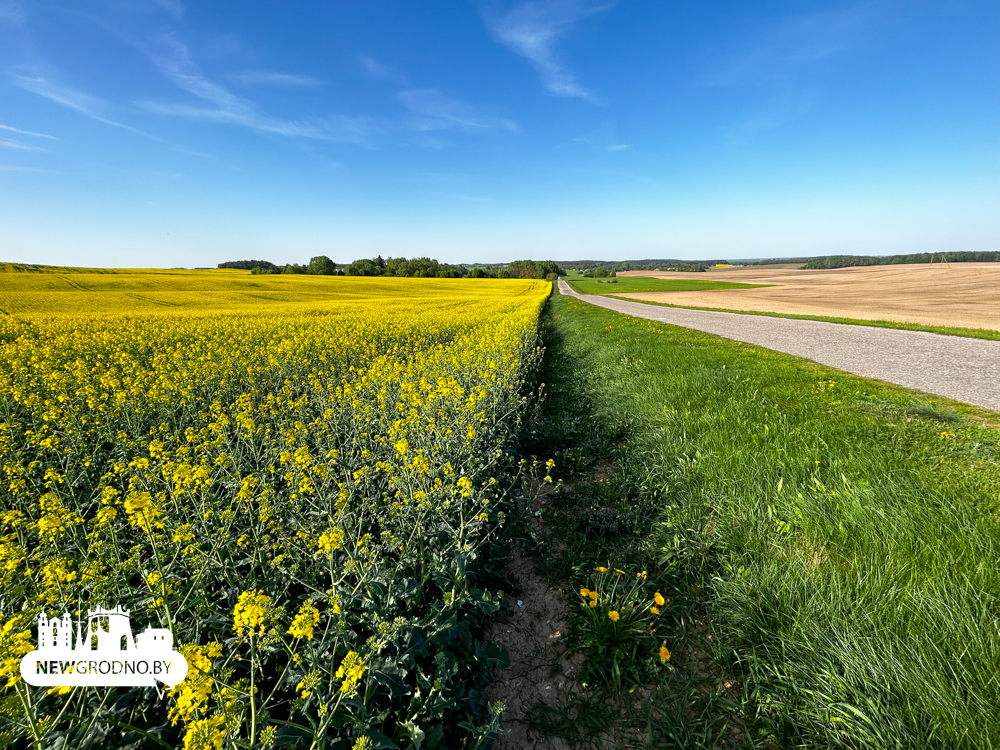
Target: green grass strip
842, 533
635, 284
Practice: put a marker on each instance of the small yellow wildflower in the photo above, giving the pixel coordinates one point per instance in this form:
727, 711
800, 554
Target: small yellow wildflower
613, 615
584, 592
654, 610
593, 595
664, 653
593, 603
601, 569
658, 598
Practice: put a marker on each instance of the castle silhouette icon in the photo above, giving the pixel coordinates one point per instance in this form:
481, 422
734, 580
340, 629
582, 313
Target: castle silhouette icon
100, 651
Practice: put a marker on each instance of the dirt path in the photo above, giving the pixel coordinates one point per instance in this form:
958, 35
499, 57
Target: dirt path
540, 671
959, 368
963, 295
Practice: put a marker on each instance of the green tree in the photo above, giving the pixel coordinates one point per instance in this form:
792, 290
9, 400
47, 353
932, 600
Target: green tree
365, 267
530, 269
320, 265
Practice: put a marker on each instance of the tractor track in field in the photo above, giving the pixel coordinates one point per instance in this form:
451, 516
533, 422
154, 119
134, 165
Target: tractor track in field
958, 368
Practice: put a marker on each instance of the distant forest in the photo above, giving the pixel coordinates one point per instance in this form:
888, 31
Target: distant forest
403, 267
609, 267
849, 261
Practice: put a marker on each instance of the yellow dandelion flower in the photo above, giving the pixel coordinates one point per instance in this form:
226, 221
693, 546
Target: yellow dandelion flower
584, 592
654, 610
658, 598
664, 654
613, 615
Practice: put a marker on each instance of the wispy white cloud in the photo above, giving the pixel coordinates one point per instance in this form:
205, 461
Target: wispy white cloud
432, 110
5, 143
783, 60
173, 7
82, 102
604, 137
174, 61
769, 115
376, 69
533, 30
26, 132
270, 78
791, 46
747, 130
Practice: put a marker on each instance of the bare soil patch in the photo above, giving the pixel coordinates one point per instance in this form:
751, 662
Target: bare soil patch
533, 631
961, 295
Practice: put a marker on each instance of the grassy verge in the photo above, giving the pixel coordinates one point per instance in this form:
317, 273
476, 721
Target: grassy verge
972, 333
830, 542
635, 284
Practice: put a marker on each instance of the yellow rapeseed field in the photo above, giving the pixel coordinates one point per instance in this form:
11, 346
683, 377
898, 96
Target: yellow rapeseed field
299, 476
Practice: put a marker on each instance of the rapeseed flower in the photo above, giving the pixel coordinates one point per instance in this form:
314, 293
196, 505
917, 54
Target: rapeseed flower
251, 610
305, 621
205, 734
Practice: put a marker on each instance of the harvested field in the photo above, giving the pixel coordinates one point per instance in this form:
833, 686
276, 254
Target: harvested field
961, 295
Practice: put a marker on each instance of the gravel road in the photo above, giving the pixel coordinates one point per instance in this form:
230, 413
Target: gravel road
952, 366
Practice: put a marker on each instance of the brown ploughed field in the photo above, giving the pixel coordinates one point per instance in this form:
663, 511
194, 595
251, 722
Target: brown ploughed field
960, 295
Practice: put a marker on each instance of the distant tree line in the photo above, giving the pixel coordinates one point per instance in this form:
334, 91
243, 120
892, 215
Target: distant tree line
429, 268
779, 261
406, 267
320, 265
850, 261
593, 268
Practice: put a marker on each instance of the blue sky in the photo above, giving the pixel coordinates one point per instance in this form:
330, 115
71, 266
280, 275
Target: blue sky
167, 133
